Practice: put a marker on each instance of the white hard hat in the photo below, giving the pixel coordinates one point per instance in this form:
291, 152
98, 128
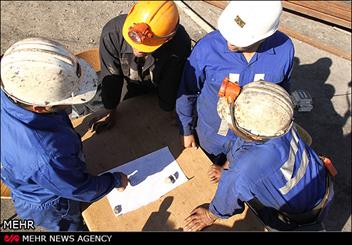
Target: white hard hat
243, 23
41, 72
263, 109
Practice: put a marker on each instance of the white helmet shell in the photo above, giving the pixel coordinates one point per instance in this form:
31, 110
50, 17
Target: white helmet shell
243, 23
224, 110
42, 72
263, 109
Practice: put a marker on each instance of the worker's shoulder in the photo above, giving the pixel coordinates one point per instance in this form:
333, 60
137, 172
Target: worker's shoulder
114, 25
211, 39
209, 43
257, 160
281, 42
179, 44
182, 38
62, 142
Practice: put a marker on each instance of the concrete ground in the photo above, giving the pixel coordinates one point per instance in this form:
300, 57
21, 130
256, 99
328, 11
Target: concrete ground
325, 76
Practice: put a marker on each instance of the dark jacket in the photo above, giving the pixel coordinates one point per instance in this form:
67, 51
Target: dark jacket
162, 69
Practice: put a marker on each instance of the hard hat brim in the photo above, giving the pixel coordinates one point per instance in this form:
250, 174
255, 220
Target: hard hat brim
146, 48
87, 88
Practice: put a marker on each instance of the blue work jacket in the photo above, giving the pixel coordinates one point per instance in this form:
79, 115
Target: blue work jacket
42, 159
206, 67
283, 173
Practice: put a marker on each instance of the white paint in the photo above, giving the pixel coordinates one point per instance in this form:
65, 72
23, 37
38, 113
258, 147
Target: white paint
258, 77
234, 77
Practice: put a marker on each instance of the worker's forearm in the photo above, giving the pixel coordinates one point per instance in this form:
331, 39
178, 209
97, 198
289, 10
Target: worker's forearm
74, 183
93, 188
111, 91
185, 112
227, 200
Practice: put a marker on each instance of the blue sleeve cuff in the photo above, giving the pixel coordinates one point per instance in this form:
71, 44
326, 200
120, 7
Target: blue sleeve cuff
185, 128
186, 131
213, 210
116, 178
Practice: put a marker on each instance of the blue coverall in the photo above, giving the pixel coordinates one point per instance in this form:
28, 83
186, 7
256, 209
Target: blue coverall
206, 67
43, 165
283, 174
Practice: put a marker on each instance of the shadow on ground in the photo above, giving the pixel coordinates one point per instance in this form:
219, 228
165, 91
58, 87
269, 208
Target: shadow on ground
326, 128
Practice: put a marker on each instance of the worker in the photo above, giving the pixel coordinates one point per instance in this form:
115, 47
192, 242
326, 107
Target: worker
41, 155
246, 47
146, 50
269, 166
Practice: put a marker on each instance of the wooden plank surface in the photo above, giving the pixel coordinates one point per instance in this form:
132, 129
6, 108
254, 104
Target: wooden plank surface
337, 9
5, 191
322, 11
219, 4
338, 13
315, 42
143, 128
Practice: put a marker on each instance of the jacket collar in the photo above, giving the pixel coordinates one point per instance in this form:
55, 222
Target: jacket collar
127, 51
265, 47
37, 120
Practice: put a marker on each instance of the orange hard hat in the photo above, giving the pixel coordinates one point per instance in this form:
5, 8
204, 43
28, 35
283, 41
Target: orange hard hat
150, 24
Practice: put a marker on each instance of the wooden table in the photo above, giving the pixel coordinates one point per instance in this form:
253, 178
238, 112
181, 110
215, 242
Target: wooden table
142, 128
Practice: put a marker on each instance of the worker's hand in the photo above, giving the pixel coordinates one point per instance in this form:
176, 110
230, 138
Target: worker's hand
103, 120
123, 180
200, 218
215, 173
189, 141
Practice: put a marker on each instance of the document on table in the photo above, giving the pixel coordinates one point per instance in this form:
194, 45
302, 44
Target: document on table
151, 177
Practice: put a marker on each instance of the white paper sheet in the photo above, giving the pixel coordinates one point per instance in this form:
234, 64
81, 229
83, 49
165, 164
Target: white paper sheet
148, 177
